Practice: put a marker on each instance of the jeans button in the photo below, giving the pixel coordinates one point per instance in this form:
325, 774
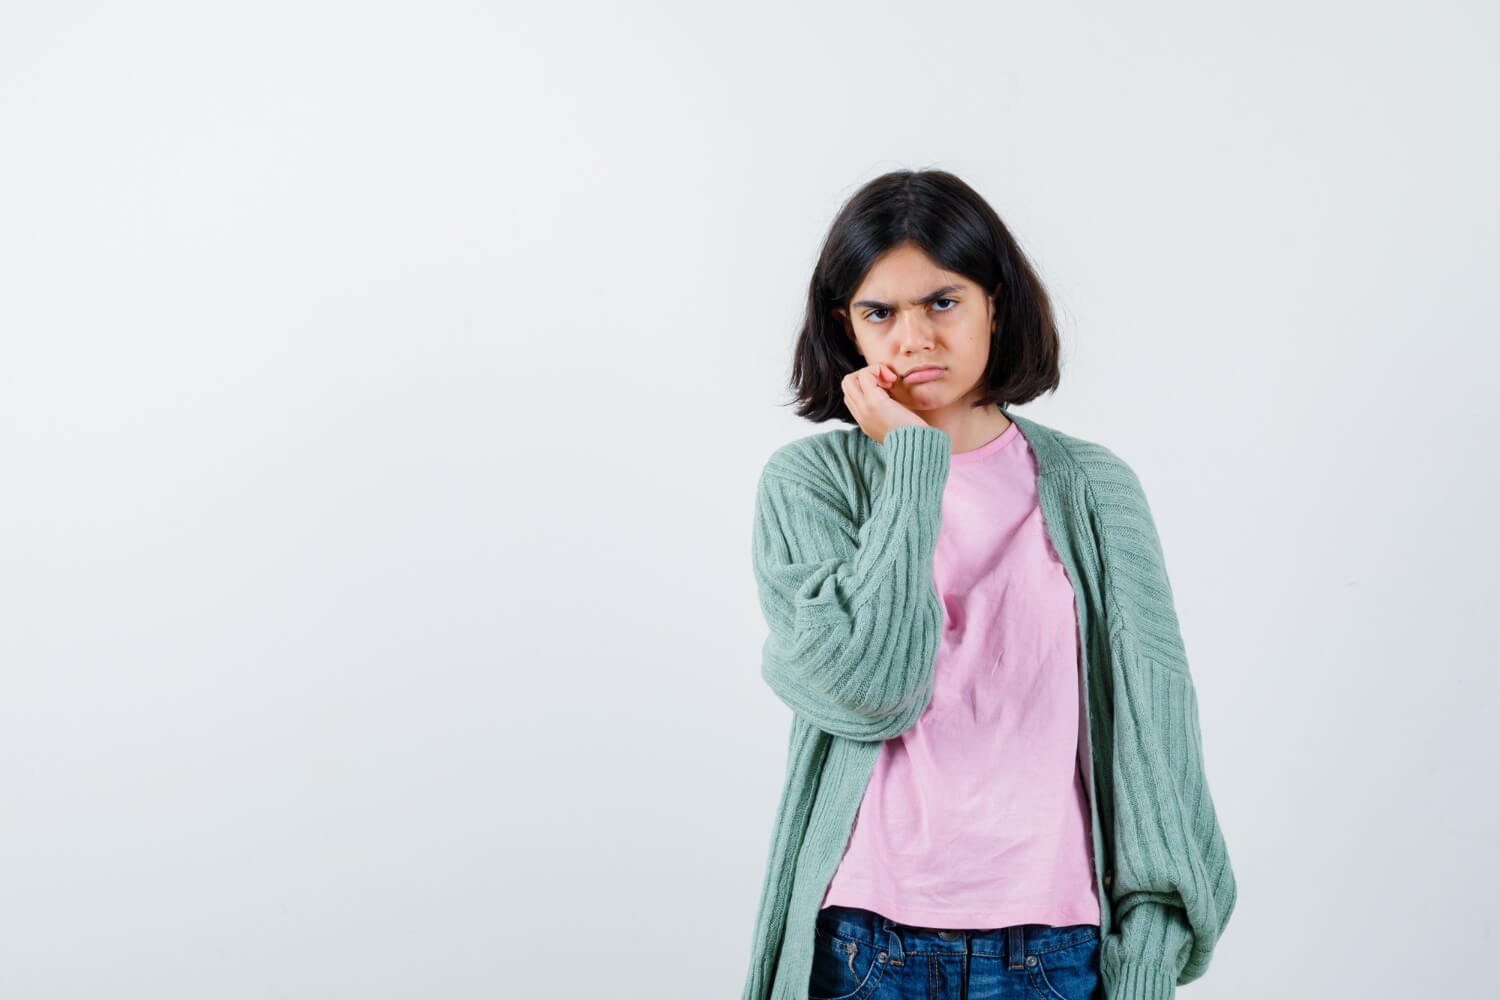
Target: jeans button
1030, 959
948, 935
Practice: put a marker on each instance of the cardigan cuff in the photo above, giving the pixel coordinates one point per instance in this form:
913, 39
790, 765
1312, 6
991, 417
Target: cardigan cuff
1137, 981
916, 461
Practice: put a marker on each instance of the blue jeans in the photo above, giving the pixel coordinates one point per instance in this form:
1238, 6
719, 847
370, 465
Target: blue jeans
861, 955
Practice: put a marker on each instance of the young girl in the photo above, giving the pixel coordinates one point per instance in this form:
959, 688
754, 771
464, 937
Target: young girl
995, 784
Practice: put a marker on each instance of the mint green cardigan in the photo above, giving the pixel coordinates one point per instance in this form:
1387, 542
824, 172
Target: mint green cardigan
843, 538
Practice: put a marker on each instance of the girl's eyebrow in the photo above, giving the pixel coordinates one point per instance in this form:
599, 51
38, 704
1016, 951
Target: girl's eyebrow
929, 297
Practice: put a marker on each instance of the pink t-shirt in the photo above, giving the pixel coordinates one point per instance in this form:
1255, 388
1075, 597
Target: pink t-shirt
976, 817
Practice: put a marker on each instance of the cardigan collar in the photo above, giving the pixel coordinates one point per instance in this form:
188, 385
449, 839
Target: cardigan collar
1052, 455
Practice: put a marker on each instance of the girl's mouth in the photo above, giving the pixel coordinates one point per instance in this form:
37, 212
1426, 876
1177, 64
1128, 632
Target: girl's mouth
923, 375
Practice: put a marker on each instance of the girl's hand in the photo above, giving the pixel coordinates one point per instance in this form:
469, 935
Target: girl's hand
867, 394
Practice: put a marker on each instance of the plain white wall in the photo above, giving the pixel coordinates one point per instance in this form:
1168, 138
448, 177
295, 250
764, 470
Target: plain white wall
384, 387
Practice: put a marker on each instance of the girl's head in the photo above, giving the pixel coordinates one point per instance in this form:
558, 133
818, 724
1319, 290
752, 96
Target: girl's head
918, 270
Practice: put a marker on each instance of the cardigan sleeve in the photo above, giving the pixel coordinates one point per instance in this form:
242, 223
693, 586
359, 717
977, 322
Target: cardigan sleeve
1173, 888
853, 615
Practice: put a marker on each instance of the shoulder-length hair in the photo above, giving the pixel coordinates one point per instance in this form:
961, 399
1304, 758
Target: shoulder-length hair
959, 230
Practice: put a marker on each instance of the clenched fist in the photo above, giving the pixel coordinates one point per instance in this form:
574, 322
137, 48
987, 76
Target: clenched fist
867, 394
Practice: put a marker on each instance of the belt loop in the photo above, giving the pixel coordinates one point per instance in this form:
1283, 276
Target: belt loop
896, 952
1016, 947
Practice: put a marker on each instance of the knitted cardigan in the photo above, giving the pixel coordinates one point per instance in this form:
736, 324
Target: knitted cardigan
844, 532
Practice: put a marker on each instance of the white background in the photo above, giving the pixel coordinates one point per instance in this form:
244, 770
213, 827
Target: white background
384, 387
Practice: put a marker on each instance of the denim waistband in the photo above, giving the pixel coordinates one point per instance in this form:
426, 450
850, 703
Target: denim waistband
1009, 944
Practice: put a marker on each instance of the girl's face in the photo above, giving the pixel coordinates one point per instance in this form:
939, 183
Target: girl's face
909, 313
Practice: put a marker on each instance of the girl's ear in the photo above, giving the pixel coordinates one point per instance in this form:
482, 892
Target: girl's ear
843, 317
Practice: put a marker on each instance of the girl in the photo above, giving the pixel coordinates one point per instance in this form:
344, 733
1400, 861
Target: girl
994, 785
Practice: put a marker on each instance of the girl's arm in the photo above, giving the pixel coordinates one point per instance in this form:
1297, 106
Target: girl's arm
854, 616
1173, 888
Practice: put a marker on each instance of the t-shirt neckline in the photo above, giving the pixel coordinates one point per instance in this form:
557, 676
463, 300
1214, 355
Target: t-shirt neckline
987, 449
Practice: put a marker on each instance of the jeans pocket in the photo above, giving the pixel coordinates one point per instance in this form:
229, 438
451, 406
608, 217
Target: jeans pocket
844, 969
1070, 973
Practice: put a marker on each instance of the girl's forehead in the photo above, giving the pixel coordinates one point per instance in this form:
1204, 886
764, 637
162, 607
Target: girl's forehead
908, 265
910, 286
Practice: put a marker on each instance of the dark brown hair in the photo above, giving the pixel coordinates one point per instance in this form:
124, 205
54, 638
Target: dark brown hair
958, 229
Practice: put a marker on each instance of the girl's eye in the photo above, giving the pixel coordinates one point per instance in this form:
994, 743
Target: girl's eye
874, 318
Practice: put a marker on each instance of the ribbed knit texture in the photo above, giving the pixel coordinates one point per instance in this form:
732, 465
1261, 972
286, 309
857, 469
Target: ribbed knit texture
843, 537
